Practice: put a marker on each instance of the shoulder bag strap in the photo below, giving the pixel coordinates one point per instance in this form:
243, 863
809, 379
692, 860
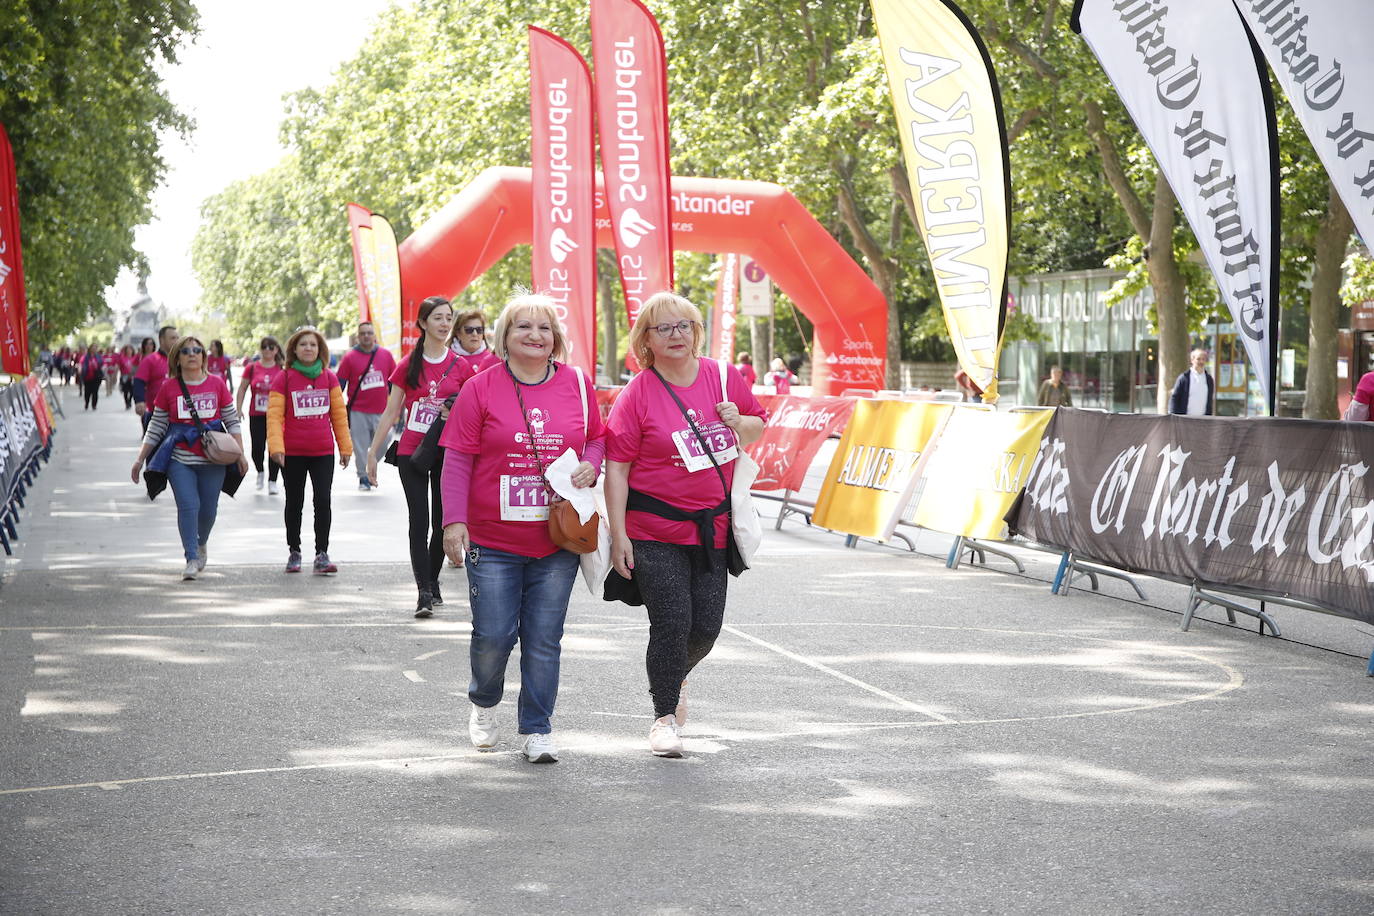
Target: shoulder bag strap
582, 395
354, 388
705, 447
534, 450
190, 404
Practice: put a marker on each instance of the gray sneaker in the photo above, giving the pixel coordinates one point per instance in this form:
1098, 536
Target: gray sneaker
323, 566
201, 556
190, 572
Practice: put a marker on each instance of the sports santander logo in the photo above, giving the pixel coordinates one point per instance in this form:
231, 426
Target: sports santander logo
561, 245
633, 228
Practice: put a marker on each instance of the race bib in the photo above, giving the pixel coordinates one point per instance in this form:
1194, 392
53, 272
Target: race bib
207, 405
372, 380
260, 402
524, 498
310, 402
423, 413
717, 435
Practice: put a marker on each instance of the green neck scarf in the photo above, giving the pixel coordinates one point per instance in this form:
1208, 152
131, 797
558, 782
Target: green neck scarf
309, 370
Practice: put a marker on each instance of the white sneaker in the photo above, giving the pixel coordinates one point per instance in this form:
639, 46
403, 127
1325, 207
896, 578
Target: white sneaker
202, 555
482, 727
271, 488
262, 475
540, 749
664, 740
190, 572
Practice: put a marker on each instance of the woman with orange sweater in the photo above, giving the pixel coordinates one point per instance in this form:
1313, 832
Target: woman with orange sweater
306, 416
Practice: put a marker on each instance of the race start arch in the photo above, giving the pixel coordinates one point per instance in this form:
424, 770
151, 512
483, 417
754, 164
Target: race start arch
759, 219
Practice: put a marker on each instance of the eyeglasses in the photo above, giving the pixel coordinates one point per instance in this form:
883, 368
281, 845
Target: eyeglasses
192, 351
474, 329
668, 330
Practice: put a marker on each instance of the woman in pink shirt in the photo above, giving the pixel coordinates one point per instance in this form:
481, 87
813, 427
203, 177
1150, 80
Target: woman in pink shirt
470, 341
745, 364
128, 362
172, 440
306, 417
256, 382
511, 422
218, 364
674, 437
779, 377
423, 388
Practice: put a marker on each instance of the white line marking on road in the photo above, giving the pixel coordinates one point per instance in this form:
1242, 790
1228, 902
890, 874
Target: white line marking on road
429, 655
812, 663
413, 676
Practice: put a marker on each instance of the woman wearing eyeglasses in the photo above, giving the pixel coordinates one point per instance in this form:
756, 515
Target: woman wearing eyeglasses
306, 417
470, 341
423, 387
667, 496
256, 383
510, 424
172, 441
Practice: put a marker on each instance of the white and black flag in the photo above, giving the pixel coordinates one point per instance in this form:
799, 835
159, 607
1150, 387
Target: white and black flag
1196, 87
1320, 52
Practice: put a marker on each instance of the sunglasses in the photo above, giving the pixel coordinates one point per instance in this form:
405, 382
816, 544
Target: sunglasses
192, 351
474, 329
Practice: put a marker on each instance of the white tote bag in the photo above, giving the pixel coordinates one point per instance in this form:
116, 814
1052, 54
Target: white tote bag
747, 525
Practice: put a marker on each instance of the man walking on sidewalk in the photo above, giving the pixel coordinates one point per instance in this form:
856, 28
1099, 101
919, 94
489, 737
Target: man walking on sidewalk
363, 373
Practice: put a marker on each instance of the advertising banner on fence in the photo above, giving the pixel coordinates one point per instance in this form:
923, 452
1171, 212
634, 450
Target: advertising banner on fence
954, 142
1282, 505
975, 470
395, 331
721, 344
796, 429
364, 257
1199, 93
1320, 53
41, 417
19, 440
14, 307
868, 480
563, 157
632, 119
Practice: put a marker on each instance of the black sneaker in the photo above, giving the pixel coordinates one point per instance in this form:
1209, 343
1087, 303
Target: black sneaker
435, 598
424, 607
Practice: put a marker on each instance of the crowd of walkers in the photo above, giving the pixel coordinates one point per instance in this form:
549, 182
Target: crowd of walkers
484, 424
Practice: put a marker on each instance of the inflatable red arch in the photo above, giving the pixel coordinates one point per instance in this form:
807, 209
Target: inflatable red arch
764, 221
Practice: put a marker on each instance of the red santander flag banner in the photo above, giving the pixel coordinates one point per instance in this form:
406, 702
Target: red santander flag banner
632, 118
797, 428
14, 307
563, 156
723, 315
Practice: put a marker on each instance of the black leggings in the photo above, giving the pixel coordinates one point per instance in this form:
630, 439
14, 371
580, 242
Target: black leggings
320, 468
686, 606
257, 431
426, 519
126, 388
90, 390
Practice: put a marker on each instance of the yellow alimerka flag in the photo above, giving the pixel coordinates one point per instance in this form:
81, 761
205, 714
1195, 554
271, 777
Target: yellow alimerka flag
976, 469
386, 307
866, 484
949, 115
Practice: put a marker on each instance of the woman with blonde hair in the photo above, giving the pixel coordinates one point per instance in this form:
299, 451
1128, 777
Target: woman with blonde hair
510, 424
191, 399
306, 418
675, 432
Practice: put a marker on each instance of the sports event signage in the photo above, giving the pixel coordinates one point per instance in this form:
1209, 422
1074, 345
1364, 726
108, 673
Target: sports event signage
1280, 505
797, 428
14, 323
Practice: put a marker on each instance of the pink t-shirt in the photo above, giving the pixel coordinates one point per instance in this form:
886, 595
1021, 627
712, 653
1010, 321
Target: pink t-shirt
508, 504
126, 364
208, 396
648, 431
306, 428
423, 404
153, 372
218, 365
478, 362
1364, 391
371, 391
260, 377
747, 372
781, 382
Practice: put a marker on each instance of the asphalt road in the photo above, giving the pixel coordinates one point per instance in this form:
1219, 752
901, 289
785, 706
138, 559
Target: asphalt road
874, 733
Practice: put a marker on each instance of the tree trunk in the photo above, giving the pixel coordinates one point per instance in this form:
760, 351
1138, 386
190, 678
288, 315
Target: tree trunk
610, 363
1333, 236
760, 344
1171, 306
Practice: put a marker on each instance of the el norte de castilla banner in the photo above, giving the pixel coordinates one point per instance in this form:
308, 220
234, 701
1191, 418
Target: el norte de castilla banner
1280, 505
1195, 86
953, 133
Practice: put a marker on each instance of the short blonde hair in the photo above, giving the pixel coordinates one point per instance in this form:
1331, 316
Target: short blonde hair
289, 353
538, 306
655, 310
174, 357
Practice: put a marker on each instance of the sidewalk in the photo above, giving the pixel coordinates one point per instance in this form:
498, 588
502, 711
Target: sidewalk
874, 733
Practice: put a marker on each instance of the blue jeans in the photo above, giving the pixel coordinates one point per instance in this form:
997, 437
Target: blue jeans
196, 488
526, 598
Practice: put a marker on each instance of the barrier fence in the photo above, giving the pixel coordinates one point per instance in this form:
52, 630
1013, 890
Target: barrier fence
26, 434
